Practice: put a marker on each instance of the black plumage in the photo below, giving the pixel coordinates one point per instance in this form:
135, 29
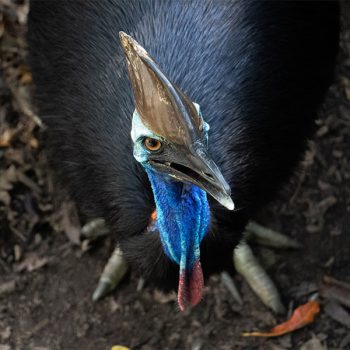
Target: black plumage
259, 71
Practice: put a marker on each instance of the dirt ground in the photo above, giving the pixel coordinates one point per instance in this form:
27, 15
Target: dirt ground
48, 271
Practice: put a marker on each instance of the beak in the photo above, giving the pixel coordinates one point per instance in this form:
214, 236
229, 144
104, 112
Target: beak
198, 168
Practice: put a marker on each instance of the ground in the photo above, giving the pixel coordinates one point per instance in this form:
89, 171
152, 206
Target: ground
48, 271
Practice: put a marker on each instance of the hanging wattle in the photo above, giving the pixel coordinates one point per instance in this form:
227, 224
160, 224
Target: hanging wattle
182, 219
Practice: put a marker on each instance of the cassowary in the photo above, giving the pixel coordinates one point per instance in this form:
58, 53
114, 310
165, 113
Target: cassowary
222, 100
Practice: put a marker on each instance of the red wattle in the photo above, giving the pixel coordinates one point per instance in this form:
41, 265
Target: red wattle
190, 286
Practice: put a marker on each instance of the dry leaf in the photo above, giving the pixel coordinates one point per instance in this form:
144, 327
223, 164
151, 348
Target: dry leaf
33, 142
331, 288
31, 262
70, 222
8, 177
327, 203
25, 180
15, 155
4, 347
276, 347
7, 287
26, 78
5, 197
331, 280
6, 137
5, 333
164, 298
302, 316
337, 313
345, 342
313, 344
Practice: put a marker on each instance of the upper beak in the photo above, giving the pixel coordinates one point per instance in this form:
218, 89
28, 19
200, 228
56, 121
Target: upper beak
198, 168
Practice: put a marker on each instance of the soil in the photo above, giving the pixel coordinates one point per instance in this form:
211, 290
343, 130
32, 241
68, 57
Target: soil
48, 271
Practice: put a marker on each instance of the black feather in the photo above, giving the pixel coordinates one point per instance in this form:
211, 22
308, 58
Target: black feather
258, 69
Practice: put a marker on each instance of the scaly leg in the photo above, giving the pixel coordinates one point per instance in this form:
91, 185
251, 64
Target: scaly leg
112, 274
116, 267
248, 266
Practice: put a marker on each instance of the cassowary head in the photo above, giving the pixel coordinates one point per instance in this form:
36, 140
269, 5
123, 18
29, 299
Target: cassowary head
171, 142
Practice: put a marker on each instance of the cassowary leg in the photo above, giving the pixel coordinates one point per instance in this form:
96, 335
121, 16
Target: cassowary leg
249, 267
116, 266
112, 274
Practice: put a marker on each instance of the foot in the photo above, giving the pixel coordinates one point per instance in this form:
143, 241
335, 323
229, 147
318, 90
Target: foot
248, 266
112, 274
116, 267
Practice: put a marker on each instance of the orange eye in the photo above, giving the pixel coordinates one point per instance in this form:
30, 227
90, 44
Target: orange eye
152, 144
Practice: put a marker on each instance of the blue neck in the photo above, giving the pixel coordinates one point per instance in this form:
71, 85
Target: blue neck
183, 217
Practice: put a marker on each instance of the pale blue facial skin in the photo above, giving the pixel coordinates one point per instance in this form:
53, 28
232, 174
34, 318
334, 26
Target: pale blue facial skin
183, 214
138, 132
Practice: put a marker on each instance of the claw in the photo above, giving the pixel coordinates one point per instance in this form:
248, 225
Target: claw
268, 237
112, 274
229, 283
248, 266
94, 229
140, 284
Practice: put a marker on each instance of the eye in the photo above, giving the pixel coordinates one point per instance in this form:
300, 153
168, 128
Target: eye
152, 144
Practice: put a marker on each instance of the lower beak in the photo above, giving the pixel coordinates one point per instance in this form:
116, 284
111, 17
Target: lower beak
199, 169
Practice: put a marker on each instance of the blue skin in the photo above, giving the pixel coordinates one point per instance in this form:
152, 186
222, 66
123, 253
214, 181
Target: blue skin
183, 214
183, 217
